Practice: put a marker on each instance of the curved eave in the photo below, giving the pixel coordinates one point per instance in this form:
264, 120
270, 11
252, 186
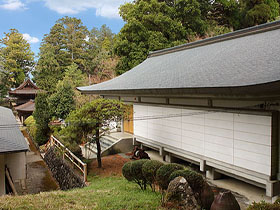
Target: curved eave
267, 90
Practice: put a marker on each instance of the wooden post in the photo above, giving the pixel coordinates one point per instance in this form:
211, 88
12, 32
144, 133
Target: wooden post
10, 181
85, 173
98, 146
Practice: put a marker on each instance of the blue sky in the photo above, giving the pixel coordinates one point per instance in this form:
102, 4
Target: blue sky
34, 18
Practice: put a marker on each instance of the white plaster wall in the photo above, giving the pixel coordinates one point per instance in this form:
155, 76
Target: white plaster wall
242, 140
2, 175
16, 162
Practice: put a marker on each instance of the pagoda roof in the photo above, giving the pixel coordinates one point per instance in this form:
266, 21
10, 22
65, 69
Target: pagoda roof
27, 107
26, 88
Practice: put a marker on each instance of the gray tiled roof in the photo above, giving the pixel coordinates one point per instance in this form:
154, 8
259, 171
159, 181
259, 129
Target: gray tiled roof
11, 138
241, 58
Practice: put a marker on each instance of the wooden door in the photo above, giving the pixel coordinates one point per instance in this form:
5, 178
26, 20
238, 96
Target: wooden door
128, 124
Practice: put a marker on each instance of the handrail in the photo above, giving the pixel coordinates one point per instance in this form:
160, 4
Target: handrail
73, 158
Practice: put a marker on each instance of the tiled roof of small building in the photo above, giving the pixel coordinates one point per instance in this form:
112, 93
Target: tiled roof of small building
11, 138
26, 88
27, 107
238, 59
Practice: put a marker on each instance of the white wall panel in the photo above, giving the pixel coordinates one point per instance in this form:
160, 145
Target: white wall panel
239, 139
252, 147
218, 156
265, 169
218, 140
253, 138
252, 128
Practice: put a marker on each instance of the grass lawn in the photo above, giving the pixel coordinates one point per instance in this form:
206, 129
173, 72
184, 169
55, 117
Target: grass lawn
113, 193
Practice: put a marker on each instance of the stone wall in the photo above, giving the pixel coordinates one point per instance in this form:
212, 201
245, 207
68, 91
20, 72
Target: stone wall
62, 172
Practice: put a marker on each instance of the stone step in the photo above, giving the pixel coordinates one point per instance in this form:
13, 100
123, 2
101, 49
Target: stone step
105, 142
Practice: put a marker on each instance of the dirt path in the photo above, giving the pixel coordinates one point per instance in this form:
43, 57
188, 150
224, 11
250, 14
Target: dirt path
39, 178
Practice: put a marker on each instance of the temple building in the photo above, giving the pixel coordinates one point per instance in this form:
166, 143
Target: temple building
214, 102
24, 97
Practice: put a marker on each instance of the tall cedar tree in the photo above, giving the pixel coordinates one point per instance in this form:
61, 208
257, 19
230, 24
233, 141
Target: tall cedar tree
68, 42
87, 123
42, 118
65, 44
17, 59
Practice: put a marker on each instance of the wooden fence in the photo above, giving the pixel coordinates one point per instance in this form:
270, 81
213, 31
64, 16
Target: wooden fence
80, 165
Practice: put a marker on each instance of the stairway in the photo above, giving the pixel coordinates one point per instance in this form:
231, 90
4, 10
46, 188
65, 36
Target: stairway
89, 150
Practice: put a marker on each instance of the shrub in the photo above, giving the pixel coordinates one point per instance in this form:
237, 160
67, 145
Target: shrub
31, 125
262, 205
163, 173
136, 173
132, 171
126, 171
149, 171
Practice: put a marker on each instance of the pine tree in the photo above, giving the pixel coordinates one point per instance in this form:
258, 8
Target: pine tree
17, 58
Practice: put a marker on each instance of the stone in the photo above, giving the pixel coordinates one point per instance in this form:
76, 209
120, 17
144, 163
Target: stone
206, 196
179, 195
225, 200
62, 172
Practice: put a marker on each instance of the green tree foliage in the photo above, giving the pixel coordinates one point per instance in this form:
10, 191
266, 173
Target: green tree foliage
258, 11
85, 124
190, 15
226, 13
157, 24
48, 71
17, 59
150, 25
102, 61
64, 45
30, 123
61, 103
75, 76
42, 118
3, 80
70, 45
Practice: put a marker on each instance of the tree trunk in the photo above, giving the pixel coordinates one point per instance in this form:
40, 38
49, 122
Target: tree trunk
98, 147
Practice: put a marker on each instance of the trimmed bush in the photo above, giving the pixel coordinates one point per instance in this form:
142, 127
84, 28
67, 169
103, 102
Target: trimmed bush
164, 172
149, 171
132, 171
126, 171
136, 173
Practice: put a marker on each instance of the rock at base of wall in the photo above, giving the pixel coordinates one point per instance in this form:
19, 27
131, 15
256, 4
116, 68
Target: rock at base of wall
179, 195
62, 172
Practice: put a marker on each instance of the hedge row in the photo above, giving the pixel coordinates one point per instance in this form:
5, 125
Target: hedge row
153, 172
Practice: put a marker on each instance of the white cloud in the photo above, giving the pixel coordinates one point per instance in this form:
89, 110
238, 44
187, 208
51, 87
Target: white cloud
12, 5
30, 39
104, 8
